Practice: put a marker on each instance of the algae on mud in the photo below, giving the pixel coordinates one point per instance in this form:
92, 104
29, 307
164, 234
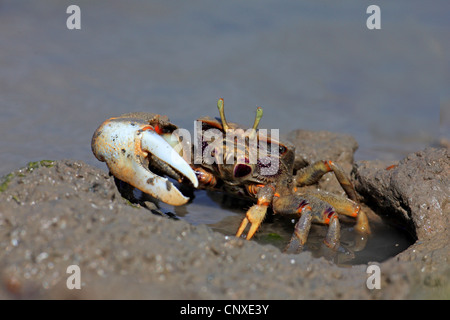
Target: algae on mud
5, 180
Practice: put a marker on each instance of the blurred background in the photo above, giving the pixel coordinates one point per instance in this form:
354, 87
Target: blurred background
310, 64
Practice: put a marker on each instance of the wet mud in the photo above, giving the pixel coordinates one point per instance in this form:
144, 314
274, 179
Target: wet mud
54, 214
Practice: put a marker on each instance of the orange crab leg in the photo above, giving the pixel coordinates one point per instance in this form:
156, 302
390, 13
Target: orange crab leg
255, 215
312, 173
346, 207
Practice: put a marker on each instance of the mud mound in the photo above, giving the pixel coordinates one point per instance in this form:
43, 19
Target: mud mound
57, 214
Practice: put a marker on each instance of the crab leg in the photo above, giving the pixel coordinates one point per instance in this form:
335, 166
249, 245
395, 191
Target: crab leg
312, 173
346, 207
301, 231
255, 215
310, 209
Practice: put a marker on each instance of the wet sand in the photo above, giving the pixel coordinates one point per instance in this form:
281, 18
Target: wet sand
57, 214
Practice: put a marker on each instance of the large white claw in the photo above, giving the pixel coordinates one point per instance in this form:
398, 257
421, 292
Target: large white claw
159, 147
125, 145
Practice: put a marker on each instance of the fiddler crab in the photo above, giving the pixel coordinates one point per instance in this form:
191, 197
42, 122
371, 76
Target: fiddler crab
145, 150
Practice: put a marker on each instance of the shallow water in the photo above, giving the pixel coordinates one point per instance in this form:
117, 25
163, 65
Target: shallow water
224, 214
310, 65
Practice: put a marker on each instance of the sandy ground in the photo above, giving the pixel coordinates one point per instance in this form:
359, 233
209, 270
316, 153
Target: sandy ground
54, 214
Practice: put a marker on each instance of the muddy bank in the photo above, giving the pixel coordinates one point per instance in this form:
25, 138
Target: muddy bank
414, 194
57, 214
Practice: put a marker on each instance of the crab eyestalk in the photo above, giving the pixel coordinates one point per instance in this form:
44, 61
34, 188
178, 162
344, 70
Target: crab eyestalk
259, 114
220, 106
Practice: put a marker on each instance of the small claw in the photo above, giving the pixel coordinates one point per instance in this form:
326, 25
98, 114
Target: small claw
255, 216
125, 144
242, 227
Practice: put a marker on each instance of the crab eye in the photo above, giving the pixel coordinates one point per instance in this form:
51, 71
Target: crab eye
282, 149
242, 170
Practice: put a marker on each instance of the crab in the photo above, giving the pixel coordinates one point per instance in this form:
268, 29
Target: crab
146, 151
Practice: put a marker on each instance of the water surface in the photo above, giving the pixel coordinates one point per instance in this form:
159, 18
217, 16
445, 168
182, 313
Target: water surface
309, 64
